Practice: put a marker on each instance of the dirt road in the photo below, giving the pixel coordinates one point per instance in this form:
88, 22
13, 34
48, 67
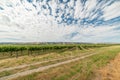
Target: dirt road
43, 68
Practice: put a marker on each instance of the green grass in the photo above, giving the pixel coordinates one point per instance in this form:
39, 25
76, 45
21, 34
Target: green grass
79, 70
5, 73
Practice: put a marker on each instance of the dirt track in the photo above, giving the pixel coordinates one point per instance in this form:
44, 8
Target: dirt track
43, 68
111, 71
32, 64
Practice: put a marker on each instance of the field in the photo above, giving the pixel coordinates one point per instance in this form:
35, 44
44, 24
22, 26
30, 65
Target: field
54, 61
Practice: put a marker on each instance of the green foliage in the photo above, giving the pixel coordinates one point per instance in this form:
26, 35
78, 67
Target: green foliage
16, 48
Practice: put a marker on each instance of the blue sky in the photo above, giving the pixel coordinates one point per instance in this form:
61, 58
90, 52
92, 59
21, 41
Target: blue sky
60, 21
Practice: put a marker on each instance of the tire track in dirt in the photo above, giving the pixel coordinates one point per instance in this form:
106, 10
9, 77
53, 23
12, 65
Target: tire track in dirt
37, 63
43, 68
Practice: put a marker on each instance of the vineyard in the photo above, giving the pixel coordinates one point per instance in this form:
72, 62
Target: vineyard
55, 61
21, 50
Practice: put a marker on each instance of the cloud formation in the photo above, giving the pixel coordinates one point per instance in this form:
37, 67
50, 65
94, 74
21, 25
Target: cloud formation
59, 21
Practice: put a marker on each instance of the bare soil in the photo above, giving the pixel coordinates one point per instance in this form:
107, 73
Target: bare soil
111, 71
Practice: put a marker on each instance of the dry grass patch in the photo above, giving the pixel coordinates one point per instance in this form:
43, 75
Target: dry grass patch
111, 71
79, 70
45, 57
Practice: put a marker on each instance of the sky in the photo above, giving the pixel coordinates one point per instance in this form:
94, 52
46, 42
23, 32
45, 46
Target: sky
60, 21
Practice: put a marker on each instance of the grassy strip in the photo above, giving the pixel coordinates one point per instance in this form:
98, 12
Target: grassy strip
80, 70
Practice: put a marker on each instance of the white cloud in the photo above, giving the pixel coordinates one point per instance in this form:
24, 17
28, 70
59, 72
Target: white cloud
112, 11
96, 34
18, 24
